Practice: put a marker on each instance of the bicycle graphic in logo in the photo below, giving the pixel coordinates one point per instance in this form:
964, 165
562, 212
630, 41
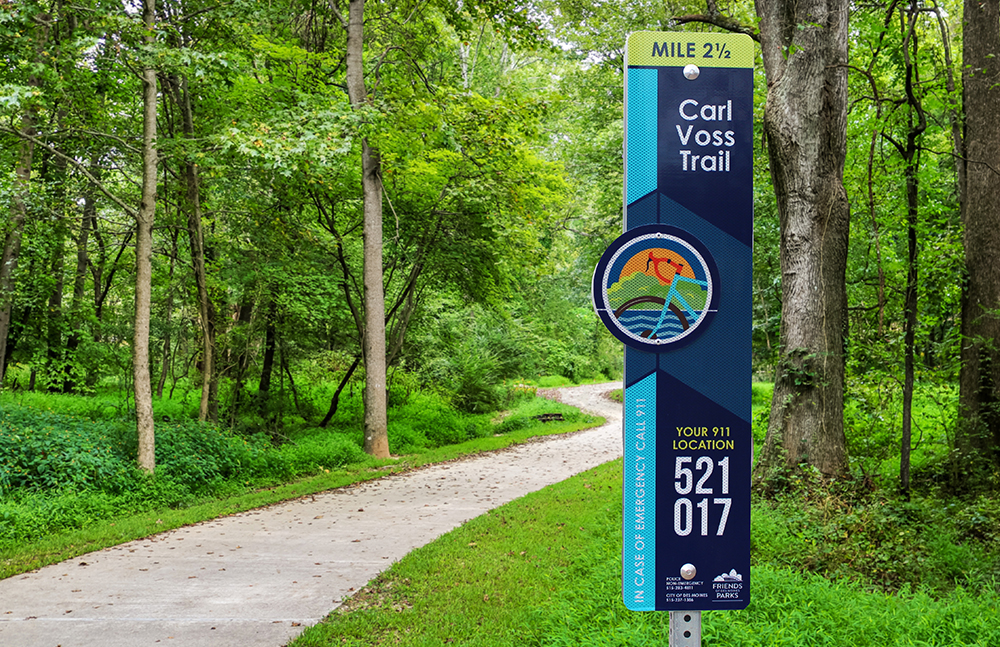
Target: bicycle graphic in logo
655, 288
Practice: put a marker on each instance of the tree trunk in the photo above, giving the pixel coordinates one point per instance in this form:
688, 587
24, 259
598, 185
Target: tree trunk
12, 237
911, 156
267, 368
165, 358
56, 369
376, 440
335, 400
192, 183
144, 259
80, 281
804, 45
910, 323
18, 205
979, 377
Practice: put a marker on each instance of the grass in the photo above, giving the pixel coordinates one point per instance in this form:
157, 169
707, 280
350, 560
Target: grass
480, 584
557, 381
96, 519
545, 571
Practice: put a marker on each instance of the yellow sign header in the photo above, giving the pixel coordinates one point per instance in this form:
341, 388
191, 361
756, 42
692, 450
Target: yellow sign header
677, 49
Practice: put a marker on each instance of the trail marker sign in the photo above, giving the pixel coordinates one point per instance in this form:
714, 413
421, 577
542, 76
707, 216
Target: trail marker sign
675, 288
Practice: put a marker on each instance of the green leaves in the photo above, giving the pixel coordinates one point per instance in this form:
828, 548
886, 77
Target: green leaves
14, 99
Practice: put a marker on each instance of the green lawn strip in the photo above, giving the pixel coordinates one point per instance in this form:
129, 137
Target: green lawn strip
545, 571
30, 555
482, 583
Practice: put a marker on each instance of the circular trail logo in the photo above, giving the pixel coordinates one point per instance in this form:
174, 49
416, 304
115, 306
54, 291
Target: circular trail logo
655, 288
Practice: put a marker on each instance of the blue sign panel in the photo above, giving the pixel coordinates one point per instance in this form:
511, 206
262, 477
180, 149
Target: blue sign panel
675, 288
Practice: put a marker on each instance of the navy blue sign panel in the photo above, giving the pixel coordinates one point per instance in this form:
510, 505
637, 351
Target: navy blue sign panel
675, 288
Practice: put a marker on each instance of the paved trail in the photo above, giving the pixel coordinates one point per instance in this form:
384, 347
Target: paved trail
260, 577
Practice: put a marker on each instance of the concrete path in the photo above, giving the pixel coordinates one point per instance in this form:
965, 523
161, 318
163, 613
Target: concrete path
262, 576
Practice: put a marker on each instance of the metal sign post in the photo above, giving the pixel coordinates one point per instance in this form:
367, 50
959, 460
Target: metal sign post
675, 288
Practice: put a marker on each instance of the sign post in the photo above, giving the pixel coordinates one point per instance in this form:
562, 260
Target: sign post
675, 288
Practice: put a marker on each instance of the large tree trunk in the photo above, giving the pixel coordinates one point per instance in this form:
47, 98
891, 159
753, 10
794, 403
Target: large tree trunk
804, 46
144, 259
979, 379
373, 345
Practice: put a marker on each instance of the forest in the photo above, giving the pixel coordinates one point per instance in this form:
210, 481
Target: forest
250, 241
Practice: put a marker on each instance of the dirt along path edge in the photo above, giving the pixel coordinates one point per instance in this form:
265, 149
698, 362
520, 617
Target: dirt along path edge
258, 578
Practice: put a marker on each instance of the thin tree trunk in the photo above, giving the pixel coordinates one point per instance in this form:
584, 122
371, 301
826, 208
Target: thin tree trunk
911, 155
335, 400
376, 439
18, 206
80, 281
291, 381
165, 360
192, 182
144, 259
54, 321
910, 327
267, 368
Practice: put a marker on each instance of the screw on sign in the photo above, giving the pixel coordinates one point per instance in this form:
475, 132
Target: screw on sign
675, 289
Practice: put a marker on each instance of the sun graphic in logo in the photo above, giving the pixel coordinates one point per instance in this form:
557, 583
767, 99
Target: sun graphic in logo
654, 287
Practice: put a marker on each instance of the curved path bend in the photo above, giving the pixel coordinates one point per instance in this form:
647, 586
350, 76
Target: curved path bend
258, 578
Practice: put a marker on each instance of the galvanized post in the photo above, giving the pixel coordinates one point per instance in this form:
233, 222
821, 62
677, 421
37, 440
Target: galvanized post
685, 629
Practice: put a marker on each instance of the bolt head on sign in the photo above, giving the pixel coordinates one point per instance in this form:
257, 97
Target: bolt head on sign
675, 289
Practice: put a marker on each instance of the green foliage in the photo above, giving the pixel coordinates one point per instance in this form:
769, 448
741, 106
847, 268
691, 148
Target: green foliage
872, 422
318, 452
59, 472
850, 533
545, 571
475, 356
761, 394
43, 450
426, 421
62, 472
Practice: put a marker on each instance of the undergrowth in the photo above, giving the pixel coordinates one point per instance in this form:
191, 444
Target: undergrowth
61, 472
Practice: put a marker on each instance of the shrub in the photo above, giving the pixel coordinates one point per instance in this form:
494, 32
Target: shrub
326, 451
426, 421
43, 450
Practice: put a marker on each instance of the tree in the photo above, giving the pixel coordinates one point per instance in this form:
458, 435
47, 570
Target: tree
373, 350
979, 378
38, 26
804, 47
144, 254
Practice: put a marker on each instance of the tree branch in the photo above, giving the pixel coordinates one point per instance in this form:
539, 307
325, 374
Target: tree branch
718, 19
336, 12
76, 164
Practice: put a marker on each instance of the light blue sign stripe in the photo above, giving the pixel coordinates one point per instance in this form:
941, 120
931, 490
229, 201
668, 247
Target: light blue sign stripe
639, 492
641, 130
